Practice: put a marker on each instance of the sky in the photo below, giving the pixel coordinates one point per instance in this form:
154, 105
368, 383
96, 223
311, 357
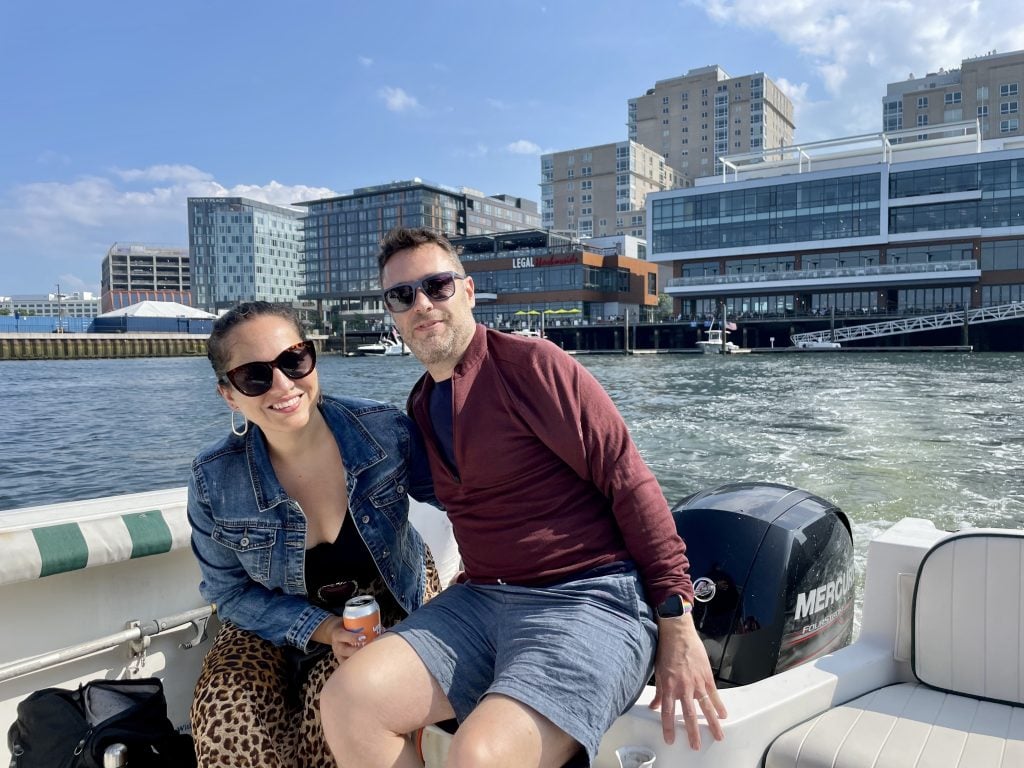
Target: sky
113, 113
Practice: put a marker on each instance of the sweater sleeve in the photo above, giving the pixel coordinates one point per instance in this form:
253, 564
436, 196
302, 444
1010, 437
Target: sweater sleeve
581, 424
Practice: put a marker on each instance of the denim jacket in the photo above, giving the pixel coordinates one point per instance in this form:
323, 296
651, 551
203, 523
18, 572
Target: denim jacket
250, 537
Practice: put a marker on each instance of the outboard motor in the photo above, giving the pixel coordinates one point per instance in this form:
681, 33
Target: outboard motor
773, 575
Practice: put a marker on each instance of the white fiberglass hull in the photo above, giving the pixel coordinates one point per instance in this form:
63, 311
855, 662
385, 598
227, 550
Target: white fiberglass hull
132, 563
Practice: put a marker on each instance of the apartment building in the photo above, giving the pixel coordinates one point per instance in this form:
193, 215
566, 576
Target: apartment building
342, 234
243, 250
694, 119
134, 272
600, 191
986, 88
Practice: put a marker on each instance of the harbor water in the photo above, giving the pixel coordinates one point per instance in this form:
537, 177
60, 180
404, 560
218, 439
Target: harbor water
939, 436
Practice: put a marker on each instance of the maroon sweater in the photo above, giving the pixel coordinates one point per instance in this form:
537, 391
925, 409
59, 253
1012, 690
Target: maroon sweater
549, 483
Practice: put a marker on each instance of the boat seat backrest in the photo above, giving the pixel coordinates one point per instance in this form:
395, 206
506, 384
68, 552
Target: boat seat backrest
968, 616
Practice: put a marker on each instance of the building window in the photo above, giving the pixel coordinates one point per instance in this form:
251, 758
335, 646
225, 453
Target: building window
1008, 108
982, 93
922, 119
983, 110
922, 102
1009, 126
953, 98
1008, 89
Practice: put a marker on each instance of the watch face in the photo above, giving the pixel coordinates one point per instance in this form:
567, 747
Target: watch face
672, 607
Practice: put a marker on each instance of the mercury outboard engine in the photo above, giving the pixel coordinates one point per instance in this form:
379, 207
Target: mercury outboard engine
773, 576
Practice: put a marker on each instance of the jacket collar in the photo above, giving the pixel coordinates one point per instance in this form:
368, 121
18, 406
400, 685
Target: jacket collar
359, 451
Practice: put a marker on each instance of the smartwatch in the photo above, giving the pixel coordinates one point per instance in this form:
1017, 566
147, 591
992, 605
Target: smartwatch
673, 607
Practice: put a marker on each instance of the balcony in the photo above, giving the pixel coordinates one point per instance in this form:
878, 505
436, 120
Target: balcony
838, 278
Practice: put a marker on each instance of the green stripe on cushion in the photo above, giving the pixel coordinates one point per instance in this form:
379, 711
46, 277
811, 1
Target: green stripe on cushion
61, 548
149, 532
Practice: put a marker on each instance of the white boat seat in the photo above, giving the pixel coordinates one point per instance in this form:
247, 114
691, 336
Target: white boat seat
967, 709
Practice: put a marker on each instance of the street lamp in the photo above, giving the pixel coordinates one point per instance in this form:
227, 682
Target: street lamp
60, 312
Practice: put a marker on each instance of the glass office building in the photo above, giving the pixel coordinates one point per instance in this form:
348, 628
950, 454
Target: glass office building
342, 234
864, 226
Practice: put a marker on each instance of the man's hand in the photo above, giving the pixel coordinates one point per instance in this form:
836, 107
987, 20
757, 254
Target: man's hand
682, 673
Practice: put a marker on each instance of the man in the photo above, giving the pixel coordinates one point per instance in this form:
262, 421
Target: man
573, 571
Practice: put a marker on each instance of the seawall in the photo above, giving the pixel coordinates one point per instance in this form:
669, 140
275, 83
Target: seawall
78, 346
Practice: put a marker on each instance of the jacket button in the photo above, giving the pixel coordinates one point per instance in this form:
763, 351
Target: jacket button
366, 518
245, 541
400, 489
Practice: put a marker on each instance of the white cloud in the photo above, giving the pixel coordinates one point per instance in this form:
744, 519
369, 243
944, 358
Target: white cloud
523, 147
50, 157
68, 226
161, 173
498, 104
365, 61
397, 100
477, 151
856, 49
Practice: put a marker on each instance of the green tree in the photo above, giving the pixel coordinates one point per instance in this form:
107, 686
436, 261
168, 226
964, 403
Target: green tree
665, 308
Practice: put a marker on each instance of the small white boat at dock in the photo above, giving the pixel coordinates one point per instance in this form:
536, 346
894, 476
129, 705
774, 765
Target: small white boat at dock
714, 344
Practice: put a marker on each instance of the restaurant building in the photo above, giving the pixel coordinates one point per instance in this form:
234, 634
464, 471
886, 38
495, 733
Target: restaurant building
539, 279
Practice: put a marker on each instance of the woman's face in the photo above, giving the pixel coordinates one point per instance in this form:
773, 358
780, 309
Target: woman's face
287, 405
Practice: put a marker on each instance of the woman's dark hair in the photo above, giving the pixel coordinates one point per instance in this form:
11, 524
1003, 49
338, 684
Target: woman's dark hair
217, 344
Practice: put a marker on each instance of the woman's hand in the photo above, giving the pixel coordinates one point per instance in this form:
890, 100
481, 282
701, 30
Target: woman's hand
332, 632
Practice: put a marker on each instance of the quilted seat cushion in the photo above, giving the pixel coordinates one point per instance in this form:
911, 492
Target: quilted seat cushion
908, 725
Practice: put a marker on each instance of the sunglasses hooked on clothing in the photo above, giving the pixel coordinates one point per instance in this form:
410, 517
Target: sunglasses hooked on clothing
438, 287
254, 379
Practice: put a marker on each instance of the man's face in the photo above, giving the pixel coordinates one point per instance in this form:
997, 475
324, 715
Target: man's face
437, 331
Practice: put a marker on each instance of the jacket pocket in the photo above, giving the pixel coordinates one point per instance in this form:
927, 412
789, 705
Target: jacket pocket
252, 547
392, 499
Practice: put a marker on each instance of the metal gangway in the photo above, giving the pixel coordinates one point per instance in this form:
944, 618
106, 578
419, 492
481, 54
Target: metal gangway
914, 324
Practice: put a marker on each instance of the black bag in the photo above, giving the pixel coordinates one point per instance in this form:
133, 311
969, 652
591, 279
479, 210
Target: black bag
60, 728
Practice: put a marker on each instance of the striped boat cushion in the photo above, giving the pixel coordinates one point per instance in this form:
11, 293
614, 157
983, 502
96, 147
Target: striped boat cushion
46, 550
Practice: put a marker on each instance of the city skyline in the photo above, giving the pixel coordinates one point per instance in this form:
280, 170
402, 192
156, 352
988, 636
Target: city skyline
115, 113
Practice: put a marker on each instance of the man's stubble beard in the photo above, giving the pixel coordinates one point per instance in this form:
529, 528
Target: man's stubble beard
445, 349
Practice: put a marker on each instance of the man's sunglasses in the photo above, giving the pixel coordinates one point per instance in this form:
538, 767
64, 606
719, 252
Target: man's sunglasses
439, 287
254, 379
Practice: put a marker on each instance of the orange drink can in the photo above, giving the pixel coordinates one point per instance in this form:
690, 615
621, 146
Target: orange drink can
362, 616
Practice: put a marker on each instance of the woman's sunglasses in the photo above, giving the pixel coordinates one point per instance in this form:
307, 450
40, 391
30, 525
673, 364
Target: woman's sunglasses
439, 287
254, 379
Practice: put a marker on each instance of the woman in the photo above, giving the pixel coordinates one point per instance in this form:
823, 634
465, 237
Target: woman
302, 507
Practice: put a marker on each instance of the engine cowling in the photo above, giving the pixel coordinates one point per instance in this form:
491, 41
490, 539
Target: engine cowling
773, 575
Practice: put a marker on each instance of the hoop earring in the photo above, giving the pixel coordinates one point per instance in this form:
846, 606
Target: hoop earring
245, 424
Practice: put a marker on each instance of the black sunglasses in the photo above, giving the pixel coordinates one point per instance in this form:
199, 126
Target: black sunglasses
254, 379
439, 287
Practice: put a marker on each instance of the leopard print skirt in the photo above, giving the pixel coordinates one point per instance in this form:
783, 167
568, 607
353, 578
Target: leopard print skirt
244, 713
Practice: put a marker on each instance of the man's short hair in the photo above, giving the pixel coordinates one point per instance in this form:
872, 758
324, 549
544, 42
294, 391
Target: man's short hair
403, 238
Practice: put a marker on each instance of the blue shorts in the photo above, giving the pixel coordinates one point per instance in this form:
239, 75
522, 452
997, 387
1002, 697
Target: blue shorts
578, 652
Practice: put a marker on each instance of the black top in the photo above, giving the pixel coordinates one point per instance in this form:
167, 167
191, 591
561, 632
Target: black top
441, 418
346, 559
